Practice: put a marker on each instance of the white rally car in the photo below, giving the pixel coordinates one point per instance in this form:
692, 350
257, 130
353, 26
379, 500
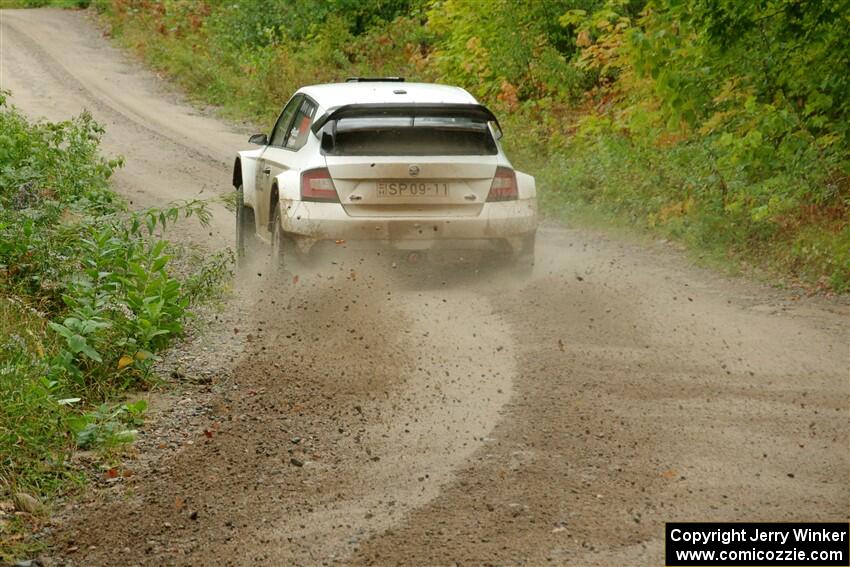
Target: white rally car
382, 163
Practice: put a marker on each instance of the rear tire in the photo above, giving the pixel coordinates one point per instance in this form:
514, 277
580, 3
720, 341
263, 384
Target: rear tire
523, 263
246, 228
283, 255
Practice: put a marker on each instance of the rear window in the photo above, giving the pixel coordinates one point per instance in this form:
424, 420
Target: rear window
415, 136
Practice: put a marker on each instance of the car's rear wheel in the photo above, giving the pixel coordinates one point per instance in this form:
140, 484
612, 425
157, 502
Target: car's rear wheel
522, 264
283, 255
246, 228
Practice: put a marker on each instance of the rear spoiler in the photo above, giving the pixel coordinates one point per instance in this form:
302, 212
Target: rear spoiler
404, 109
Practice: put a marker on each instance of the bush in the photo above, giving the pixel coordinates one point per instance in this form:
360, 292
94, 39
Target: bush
88, 296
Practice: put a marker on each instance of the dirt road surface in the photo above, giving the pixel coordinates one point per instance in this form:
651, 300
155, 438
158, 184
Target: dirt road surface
366, 415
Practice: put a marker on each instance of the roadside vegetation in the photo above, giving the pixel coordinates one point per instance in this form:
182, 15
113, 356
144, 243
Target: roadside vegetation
722, 125
89, 293
44, 3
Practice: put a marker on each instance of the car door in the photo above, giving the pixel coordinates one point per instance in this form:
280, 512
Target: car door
274, 159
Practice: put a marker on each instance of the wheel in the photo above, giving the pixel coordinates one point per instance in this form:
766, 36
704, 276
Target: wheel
283, 255
523, 263
246, 228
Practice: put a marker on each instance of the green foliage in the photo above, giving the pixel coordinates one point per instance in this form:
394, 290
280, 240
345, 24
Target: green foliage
32, 433
260, 23
43, 3
88, 295
507, 50
107, 426
730, 121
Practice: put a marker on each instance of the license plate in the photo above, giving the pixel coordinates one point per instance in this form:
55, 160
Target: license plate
392, 189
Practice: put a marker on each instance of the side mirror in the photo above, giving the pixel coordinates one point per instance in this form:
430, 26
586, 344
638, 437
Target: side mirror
259, 139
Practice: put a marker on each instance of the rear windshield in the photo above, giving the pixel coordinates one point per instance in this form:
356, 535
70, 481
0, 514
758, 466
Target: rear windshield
414, 136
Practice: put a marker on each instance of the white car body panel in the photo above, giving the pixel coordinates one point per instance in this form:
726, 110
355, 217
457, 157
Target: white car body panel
509, 220
247, 162
332, 95
356, 183
526, 185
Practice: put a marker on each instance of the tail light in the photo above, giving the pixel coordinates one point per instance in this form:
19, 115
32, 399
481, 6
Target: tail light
504, 187
317, 185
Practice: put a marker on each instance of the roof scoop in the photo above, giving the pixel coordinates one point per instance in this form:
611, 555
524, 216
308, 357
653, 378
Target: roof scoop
374, 80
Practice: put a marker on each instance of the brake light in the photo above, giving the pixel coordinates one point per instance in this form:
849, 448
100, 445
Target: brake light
317, 185
504, 187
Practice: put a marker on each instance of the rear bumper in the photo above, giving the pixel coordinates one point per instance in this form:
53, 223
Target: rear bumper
504, 226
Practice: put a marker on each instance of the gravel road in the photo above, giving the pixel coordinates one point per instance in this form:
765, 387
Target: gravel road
366, 415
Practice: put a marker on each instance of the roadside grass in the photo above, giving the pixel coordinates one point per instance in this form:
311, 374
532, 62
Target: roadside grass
44, 3
807, 248
90, 292
743, 207
253, 84
31, 419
